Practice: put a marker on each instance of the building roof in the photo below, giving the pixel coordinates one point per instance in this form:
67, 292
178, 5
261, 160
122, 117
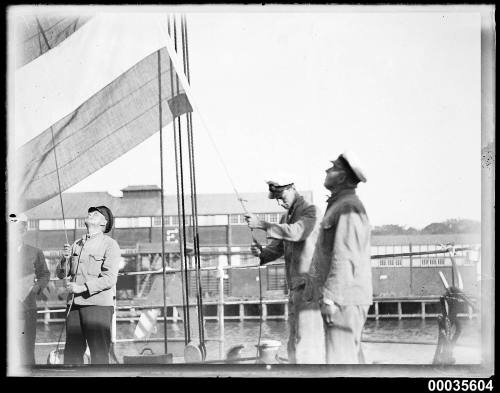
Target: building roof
455, 238
77, 203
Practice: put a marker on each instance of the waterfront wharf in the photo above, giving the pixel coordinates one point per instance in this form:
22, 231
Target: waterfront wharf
272, 309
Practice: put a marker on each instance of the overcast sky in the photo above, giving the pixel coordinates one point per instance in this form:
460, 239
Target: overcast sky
285, 92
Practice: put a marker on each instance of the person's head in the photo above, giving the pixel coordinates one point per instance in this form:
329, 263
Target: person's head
345, 172
19, 223
283, 191
101, 217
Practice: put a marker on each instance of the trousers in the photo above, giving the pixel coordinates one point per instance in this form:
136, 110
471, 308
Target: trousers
88, 325
28, 337
306, 335
343, 337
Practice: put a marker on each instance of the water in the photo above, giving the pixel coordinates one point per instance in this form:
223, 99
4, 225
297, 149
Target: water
247, 333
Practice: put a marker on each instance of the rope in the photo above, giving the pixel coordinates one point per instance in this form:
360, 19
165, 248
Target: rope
42, 33
162, 204
181, 167
194, 202
186, 319
219, 155
61, 201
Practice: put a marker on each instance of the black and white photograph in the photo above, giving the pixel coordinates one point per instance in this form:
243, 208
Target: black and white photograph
252, 190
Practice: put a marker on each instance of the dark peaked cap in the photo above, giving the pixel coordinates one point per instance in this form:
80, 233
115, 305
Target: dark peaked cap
106, 212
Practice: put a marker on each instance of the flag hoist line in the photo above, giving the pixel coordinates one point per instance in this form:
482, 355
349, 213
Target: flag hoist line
193, 183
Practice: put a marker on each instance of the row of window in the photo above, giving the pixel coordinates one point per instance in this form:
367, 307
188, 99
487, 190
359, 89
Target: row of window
433, 262
147, 222
400, 249
390, 262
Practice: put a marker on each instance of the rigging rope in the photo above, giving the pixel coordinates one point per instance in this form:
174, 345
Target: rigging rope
42, 33
180, 205
181, 167
181, 249
194, 202
160, 109
219, 155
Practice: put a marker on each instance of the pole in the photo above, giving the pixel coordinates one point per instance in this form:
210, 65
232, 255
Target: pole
220, 311
411, 271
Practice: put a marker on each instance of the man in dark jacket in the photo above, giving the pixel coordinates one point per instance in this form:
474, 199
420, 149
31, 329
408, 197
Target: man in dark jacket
93, 271
341, 263
34, 277
294, 238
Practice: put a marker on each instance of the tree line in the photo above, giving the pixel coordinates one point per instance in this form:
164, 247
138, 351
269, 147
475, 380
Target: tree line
449, 226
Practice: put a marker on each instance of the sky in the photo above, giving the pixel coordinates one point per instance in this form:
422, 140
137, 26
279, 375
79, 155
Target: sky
284, 90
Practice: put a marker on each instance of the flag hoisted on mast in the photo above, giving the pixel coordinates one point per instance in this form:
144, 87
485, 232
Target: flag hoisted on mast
97, 91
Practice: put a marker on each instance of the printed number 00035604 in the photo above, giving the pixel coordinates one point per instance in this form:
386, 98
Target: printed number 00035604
459, 385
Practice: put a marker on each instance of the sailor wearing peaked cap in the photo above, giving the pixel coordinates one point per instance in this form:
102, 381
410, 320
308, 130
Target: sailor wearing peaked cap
341, 266
354, 164
106, 212
293, 238
276, 188
94, 261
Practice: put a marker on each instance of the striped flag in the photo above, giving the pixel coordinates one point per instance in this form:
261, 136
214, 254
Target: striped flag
146, 324
90, 99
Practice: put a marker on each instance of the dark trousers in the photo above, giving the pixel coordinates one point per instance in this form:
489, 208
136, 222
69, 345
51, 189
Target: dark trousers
28, 337
88, 325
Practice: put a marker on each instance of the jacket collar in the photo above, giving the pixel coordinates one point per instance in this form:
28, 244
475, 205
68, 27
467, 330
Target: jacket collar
299, 200
336, 196
92, 235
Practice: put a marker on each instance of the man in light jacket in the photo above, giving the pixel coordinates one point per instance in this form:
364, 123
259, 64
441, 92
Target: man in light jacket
341, 263
294, 238
93, 270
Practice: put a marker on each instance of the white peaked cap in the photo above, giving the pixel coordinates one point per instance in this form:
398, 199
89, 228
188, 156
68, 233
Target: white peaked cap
282, 179
355, 164
21, 217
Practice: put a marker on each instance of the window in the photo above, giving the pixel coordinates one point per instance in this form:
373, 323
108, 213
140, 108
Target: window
32, 225
234, 219
80, 223
276, 278
173, 220
273, 217
157, 221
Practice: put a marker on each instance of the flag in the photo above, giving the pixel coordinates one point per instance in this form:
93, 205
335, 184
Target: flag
39, 32
91, 99
146, 324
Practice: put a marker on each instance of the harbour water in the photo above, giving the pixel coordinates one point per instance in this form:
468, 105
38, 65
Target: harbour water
408, 341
